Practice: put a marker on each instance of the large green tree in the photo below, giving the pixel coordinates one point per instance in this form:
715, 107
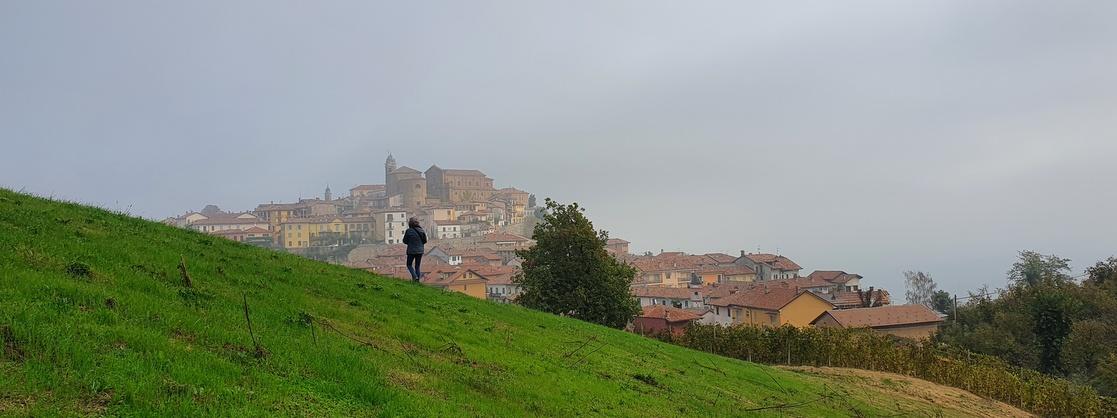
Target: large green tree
1047, 321
1033, 269
568, 272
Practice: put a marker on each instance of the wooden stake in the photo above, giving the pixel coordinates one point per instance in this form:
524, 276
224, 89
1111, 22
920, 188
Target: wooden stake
255, 344
182, 272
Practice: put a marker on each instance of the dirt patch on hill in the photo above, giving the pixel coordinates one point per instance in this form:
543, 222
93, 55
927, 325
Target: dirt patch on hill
946, 397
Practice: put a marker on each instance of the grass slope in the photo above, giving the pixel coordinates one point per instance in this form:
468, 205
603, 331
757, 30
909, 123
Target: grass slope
125, 337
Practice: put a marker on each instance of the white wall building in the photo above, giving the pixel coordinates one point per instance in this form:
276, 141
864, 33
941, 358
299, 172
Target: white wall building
390, 225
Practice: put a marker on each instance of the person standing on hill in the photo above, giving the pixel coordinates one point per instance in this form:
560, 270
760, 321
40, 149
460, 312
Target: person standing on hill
415, 238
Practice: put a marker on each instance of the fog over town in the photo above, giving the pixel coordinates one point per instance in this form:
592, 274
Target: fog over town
869, 137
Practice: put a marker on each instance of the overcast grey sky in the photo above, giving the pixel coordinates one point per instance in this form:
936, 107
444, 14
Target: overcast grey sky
871, 137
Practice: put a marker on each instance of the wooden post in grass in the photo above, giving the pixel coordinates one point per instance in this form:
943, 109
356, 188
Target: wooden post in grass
182, 271
256, 345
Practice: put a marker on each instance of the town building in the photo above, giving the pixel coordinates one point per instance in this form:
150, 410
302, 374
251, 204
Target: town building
390, 224
677, 269
732, 273
456, 279
216, 224
454, 186
679, 297
769, 266
501, 287
447, 229
916, 322
616, 246
844, 281
657, 319
367, 191
771, 305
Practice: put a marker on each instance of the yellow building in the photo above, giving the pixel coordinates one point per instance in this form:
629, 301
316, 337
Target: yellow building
327, 230
308, 232
769, 305
457, 280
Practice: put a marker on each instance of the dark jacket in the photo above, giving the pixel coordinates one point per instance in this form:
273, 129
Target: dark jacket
415, 238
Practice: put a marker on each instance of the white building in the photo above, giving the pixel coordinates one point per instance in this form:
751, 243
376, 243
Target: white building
447, 229
389, 226
679, 297
241, 221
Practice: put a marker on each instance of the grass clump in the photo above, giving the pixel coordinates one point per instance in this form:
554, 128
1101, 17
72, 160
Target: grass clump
79, 270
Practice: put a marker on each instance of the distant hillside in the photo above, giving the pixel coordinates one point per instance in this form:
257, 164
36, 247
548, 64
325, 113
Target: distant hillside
97, 319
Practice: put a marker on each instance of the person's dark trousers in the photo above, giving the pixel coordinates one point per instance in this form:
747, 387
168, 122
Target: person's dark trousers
414, 259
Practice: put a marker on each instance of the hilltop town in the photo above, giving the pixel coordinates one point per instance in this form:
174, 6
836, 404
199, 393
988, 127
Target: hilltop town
454, 206
475, 230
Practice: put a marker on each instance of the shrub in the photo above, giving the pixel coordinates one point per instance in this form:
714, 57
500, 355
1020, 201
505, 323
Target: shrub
864, 349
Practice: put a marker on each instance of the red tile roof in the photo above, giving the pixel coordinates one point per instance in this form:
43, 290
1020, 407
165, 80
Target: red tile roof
731, 270
776, 261
477, 253
444, 275
503, 237
392, 250
721, 258
670, 314
833, 276
845, 300
883, 316
405, 169
766, 295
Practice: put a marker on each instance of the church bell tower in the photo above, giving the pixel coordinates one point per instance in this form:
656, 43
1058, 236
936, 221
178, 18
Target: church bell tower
389, 167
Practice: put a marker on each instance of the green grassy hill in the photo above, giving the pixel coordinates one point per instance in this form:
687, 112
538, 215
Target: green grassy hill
94, 319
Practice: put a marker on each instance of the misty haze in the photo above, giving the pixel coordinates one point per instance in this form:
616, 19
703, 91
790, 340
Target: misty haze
940, 173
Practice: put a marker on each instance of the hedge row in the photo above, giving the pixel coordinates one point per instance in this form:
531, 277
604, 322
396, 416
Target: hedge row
864, 349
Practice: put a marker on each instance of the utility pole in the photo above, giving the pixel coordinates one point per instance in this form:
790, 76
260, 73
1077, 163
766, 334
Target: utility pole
955, 308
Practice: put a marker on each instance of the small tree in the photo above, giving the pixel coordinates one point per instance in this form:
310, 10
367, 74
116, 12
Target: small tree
568, 271
921, 288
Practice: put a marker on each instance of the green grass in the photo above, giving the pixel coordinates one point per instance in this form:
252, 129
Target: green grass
94, 320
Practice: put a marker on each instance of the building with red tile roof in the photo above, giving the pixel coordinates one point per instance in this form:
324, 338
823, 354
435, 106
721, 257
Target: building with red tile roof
656, 319
909, 321
768, 304
769, 266
844, 281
